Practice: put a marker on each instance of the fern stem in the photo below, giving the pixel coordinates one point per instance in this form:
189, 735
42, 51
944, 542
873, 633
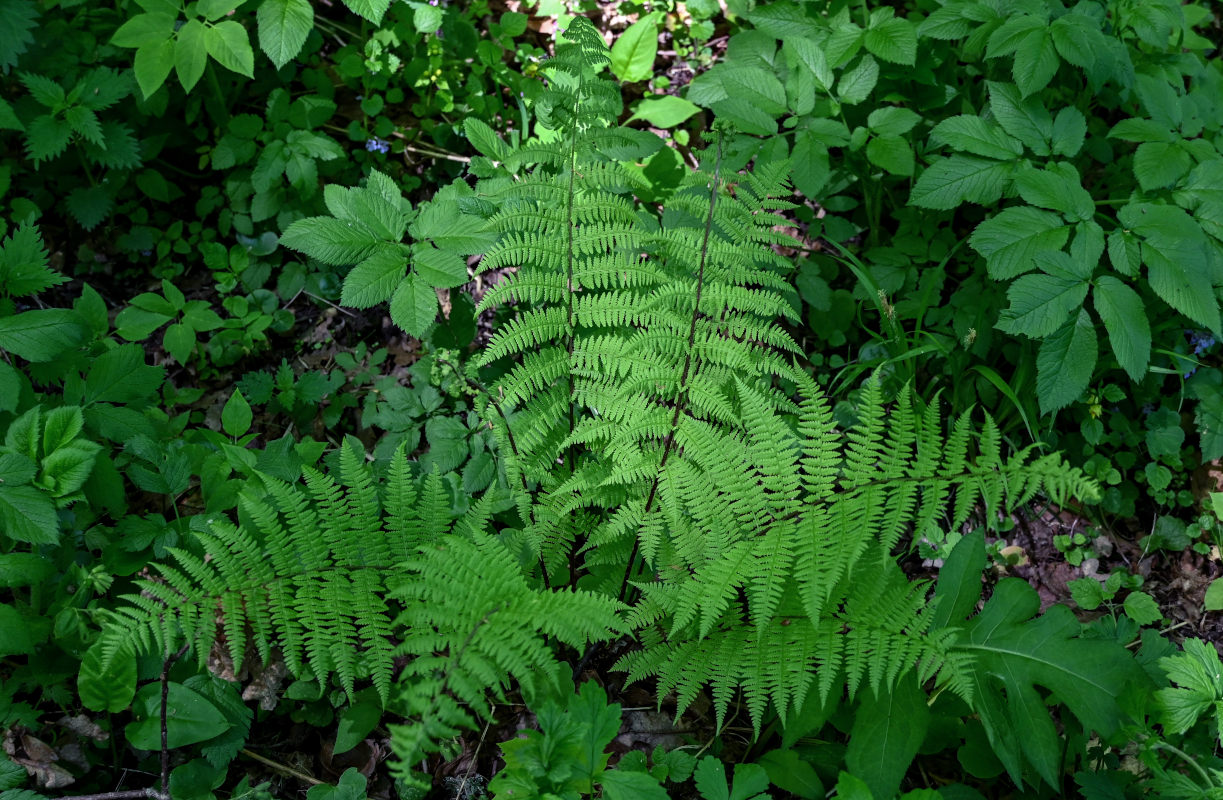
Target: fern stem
681, 392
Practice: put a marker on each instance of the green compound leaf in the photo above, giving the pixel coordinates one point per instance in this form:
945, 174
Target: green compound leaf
1065, 362
228, 43
891, 153
1041, 303
856, 84
414, 306
1026, 119
283, 28
948, 182
144, 29
1036, 62
893, 40
1011, 239
374, 279
1125, 319
190, 54
972, 134
152, 65
332, 241
1175, 250
632, 56
1197, 672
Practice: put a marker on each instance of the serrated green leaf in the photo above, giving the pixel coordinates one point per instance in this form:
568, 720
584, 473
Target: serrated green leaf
812, 57
892, 120
9, 120
41, 335
215, 9
1208, 418
46, 137
634, 51
1026, 119
16, 636
190, 54
374, 279
485, 139
283, 28
332, 241
152, 65
891, 153
414, 306
89, 205
1160, 164
1041, 303
24, 266
972, 134
1214, 593
28, 515
1011, 35
1142, 608
809, 163
893, 40
372, 10
15, 34
1077, 38
229, 45
179, 341
1069, 132
1141, 130
1058, 188
1010, 239
857, 83
949, 182
1065, 362
24, 569
143, 30
1125, 319
438, 268
1174, 248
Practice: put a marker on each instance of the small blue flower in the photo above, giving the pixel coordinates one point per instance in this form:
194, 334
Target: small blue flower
377, 145
1201, 341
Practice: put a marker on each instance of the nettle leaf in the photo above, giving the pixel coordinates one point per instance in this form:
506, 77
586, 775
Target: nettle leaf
24, 263
1175, 250
15, 34
8, 118
972, 134
1065, 362
1125, 319
229, 45
949, 182
89, 205
1026, 119
332, 241
633, 54
1160, 164
46, 137
44, 90
893, 40
1010, 239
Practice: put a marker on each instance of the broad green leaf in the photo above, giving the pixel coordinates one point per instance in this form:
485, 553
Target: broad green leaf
414, 306
1142, 608
236, 416
283, 28
20, 18
809, 163
1208, 419
1069, 131
28, 515
1065, 362
121, 375
949, 182
888, 728
1011, 35
16, 635
664, 111
143, 30
1214, 593
811, 56
8, 117
332, 241
195, 719
1013, 654
856, 84
750, 780
484, 139
1160, 164
1010, 239
1077, 38
633, 53
1199, 678
1124, 252
1125, 319
152, 66
372, 10
959, 582
1174, 248
108, 688
893, 40
891, 153
756, 88
746, 116
41, 335
619, 784
1041, 303
215, 9
892, 120
971, 134
24, 262
190, 54
438, 268
1058, 188
228, 43
1026, 119
1160, 99
789, 772
374, 279
425, 17
356, 722
24, 569
1141, 130
179, 341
